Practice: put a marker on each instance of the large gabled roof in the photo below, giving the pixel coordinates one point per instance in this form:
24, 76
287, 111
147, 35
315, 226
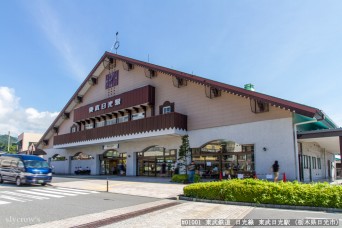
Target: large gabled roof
100, 66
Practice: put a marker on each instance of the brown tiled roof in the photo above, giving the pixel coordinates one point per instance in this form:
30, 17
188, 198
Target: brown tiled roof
292, 106
281, 103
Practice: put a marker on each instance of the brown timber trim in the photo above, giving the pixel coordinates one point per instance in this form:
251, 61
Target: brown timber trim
160, 122
143, 95
320, 134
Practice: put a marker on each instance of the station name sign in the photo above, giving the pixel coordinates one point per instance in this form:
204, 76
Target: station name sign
106, 105
133, 98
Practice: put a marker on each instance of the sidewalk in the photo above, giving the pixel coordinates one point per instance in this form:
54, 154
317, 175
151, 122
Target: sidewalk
139, 186
168, 217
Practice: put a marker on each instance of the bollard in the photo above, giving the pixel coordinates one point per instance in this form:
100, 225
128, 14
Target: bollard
107, 184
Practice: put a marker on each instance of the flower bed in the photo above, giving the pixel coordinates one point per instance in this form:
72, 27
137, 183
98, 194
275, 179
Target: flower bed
260, 191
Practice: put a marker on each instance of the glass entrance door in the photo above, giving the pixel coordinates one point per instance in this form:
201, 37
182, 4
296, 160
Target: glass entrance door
112, 167
147, 167
156, 162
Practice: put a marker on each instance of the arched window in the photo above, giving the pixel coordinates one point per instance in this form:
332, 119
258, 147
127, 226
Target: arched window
111, 154
167, 107
154, 151
81, 156
58, 157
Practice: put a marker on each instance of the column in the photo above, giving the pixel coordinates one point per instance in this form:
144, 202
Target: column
131, 164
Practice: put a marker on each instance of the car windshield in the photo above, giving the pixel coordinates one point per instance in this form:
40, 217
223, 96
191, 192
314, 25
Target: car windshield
36, 164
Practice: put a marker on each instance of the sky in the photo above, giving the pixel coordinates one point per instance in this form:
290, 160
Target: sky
287, 49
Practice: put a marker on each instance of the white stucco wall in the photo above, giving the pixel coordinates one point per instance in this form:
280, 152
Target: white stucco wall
275, 135
313, 149
28, 138
129, 147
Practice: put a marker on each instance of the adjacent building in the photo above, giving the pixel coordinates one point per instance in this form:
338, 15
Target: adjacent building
27, 143
128, 118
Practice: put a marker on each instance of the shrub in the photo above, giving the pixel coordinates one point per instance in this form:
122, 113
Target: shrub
261, 191
182, 178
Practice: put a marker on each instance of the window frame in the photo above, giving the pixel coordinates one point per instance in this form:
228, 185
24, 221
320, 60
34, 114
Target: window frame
167, 109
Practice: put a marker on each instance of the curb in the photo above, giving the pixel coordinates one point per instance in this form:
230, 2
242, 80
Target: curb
324, 209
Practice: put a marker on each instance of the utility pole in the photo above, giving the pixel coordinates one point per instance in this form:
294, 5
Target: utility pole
8, 141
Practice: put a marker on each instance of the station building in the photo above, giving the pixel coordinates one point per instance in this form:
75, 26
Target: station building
128, 118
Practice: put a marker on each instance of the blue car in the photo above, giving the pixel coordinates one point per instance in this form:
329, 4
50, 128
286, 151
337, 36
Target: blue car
24, 169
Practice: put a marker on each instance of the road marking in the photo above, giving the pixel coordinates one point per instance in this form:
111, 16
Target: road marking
24, 195
4, 202
53, 192
66, 191
77, 190
40, 193
14, 198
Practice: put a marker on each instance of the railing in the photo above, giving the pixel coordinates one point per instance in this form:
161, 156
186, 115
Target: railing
160, 122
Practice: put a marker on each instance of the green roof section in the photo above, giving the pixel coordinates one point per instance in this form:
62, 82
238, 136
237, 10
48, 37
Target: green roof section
326, 123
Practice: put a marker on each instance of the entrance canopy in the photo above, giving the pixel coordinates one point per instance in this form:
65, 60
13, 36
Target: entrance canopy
330, 139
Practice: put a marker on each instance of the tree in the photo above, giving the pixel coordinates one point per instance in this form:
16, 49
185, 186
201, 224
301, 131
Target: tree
184, 152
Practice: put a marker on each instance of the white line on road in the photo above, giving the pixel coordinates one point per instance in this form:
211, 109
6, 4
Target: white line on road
23, 195
50, 192
77, 190
41, 193
66, 191
4, 202
14, 198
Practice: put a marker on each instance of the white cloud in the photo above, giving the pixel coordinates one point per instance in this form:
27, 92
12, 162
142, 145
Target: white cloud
48, 19
17, 119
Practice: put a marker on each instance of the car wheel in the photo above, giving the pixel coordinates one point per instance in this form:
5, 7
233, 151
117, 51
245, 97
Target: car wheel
43, 184
1, 180
18, 181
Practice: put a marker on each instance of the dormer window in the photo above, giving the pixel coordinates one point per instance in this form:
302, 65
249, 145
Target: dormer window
73, 128
166, 109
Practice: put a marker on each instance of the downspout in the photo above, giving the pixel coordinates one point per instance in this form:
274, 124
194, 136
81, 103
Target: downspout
296, 141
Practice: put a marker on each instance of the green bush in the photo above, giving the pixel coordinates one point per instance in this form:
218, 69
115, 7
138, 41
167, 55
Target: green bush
261, 191
182, 178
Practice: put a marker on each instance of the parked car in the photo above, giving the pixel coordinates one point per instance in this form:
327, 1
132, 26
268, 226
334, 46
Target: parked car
24, 169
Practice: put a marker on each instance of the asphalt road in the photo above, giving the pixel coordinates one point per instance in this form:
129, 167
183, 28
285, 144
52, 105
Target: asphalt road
27, 205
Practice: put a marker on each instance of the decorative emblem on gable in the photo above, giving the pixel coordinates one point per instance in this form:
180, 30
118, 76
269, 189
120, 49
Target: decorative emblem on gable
112, 79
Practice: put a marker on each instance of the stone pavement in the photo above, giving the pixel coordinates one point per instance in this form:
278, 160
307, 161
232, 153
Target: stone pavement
138, 186
171, 217
168, 217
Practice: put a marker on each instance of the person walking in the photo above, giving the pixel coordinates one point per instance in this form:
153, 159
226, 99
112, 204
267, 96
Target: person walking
275, 168
191, 172
163, 169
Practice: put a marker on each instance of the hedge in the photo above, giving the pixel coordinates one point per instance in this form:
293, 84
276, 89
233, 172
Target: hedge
265, 192
183, 178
